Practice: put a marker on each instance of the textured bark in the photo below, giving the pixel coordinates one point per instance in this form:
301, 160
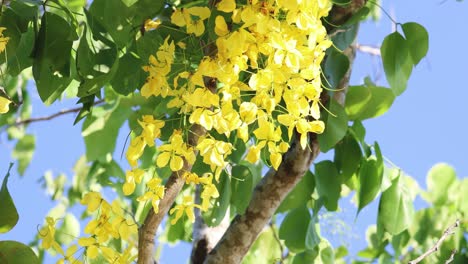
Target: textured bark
266, 198
275, 185
173, 186
205, 237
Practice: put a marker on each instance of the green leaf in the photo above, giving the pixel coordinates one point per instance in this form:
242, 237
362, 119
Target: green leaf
16, 252
129, 75
358, 131
335, 67
418, 40
313, 233
114, 17
52, 58
148, 44
369, 182
396, 61
306, 257
300, 195
327, 255
96, 63
439, 179
15, 25
69, 230
367, 101
221, 204
100, 130
361, 14
9, 216
335, 126
396, 212
344, 36
242, 186
22, 60
356, 101
129, 3
265, 250
348, 155
23, 152
294, 228
328, 183
182, 230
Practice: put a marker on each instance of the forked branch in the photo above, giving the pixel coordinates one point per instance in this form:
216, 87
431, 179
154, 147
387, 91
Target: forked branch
449, 231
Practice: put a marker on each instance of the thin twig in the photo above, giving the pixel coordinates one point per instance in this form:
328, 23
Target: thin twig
50, 117
284, 255
452, 255
447, 232
372, 50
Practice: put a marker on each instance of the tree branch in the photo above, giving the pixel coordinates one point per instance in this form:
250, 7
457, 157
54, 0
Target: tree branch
174, 184
372, 50
275, 185
266, 198
447, 232
147, 232
50, 117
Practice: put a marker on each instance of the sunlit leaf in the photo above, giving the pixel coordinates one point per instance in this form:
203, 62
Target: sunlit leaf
9, 216
396, 210
418, 40
335, 126
397, 61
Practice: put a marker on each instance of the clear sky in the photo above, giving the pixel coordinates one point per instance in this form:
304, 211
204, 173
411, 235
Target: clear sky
425, 125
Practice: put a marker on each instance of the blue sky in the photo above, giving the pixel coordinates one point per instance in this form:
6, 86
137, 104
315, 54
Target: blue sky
425, 125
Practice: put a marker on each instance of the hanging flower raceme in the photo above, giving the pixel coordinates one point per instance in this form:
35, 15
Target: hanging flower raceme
266, 64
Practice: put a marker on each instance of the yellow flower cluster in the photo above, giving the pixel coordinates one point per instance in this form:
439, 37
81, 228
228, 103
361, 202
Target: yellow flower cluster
110, 223
267, 65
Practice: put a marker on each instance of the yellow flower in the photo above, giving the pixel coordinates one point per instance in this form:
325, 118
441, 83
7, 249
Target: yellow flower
155, 193
4, 105
254, 152
151, 129
226, 6
221, 28
191, 17
150, 24
135, 150
131, 178
214, 152
248, 112
3, 40
92, 200
266, 131
209, 191
187, 206
174, 152
68, 256
47, 233
91, 245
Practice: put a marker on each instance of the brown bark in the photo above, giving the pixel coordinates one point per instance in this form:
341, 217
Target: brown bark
267, 196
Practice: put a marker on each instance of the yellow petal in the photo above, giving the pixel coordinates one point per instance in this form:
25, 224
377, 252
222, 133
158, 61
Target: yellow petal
227, 6
221, 28
128, 188
163, 159
275, 159
176, 163
4, 105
